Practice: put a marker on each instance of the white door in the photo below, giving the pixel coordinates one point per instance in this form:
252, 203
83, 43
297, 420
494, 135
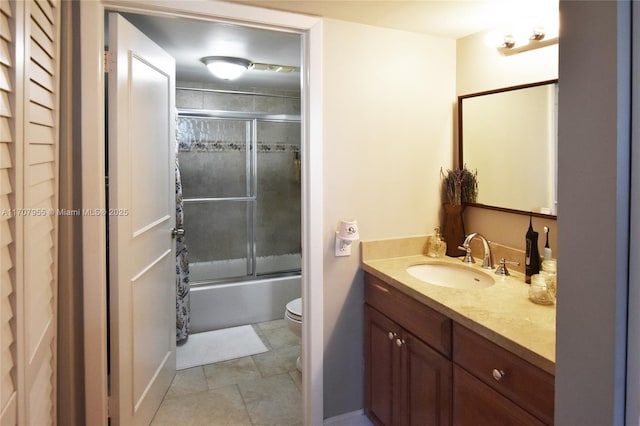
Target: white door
141, 143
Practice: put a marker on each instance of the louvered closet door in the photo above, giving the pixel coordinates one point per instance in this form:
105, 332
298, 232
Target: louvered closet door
28, 199
8, 394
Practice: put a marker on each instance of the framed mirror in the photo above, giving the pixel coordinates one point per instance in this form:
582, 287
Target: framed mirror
509, 136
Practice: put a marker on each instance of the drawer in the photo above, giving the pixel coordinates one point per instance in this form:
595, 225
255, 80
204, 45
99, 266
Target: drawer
423, 322
522, 382
475, 403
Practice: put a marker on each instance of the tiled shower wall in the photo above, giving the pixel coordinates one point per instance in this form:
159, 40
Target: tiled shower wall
214, 166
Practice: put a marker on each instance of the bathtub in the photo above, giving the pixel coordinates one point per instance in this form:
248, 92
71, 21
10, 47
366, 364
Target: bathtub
215, 306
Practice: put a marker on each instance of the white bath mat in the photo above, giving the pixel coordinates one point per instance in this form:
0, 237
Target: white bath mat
218, 345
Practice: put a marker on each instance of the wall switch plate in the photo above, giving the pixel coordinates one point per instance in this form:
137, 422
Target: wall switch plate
342, 250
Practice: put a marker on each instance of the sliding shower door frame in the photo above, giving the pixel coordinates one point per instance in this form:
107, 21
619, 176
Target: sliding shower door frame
252, 189
251, 181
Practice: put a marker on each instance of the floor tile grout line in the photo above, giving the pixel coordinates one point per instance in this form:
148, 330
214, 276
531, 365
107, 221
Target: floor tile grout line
244, 404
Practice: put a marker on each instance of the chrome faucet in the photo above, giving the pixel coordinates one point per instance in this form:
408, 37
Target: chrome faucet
487, 263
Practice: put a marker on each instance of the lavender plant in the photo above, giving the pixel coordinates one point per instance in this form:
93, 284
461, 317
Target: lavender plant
459, 186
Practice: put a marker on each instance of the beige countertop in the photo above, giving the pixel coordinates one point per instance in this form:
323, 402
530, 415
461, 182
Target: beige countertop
502, 313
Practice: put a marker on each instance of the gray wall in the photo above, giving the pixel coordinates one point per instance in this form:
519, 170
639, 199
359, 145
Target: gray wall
593, 219
213, 163
633, 349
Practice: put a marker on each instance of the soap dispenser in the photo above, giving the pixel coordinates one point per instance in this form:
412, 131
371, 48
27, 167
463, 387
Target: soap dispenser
436, 246
532, 256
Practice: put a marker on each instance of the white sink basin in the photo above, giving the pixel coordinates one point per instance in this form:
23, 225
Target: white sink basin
451, 275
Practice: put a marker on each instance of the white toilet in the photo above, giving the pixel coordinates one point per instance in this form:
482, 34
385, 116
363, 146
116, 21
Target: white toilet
293, 316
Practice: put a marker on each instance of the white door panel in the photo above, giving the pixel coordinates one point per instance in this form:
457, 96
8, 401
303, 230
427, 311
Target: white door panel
141, 198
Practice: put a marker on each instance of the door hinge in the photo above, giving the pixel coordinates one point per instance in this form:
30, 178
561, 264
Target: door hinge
106, 62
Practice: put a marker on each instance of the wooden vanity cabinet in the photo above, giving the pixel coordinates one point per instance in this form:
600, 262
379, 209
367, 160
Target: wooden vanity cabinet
421, 368
407, 381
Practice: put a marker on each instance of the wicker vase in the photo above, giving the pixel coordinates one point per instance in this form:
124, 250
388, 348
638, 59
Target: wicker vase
453, 231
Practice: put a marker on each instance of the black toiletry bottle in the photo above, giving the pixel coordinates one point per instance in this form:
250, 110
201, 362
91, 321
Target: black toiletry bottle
532, 256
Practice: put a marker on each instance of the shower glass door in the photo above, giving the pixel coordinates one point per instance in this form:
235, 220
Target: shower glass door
217, 165
278, 207
241, 191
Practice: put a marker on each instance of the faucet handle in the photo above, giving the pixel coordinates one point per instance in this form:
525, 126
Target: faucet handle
468, 258
502, 267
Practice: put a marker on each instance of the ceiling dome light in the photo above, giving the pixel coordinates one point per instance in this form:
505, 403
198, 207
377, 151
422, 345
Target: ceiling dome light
226, 67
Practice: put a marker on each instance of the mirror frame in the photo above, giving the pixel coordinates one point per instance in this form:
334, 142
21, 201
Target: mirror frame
461, 157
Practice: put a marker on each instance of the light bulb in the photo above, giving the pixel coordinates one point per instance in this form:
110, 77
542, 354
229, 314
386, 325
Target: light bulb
225, 70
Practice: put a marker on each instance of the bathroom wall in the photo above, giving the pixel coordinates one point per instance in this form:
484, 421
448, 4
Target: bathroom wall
594, 152
388, 128
213, 161
480, 68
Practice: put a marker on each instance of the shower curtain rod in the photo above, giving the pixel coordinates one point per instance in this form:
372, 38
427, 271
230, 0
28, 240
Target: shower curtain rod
237, 92
212, 113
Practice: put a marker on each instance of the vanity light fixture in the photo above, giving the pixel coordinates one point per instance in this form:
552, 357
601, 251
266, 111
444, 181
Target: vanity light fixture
538, 38
508, 42
226, 67
345, 235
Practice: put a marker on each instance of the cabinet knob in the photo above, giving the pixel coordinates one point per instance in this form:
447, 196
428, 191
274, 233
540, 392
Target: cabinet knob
399, 342
392, 335
498, 374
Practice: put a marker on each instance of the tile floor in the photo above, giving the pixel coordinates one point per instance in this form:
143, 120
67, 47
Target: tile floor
262, 389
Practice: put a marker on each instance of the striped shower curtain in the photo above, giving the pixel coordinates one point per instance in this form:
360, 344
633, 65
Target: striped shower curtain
183, 314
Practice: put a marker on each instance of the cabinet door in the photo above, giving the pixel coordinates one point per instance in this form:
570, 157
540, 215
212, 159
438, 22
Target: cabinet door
475, 403
426, 389
382, 372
